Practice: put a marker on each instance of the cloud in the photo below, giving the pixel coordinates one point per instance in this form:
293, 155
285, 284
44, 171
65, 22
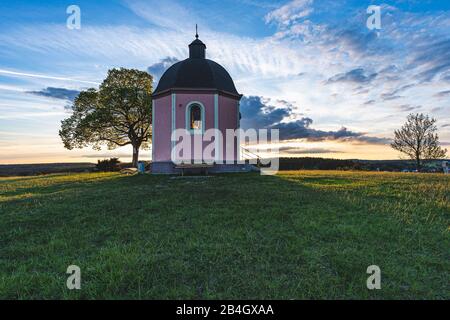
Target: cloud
42, 76
158, 69
369, 103
104, 46
442, 94
258, 114
437, 109
300, 129
446, 77
370, 140
107, 155
294, 150
354, 76
431, 60
393, 95
390, 96
168, 14
20, 115
353, 40
290, 12
406, 107
287, 104
57, 93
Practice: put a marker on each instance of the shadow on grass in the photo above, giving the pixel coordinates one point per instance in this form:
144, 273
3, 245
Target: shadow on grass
230, 236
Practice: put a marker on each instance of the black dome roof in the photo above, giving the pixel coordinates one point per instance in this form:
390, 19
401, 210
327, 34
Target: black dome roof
196, 72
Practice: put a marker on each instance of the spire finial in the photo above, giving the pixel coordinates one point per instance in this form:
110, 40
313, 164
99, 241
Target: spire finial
196, 31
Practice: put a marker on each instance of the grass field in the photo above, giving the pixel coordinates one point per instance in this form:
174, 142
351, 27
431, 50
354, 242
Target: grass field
298, 235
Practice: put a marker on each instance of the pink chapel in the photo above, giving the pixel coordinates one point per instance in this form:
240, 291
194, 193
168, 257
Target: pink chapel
195, 94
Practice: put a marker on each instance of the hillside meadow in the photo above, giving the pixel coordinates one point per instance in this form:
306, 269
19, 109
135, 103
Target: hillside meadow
296, 235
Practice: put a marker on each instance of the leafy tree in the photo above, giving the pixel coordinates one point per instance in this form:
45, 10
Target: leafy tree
418, 139
119, 113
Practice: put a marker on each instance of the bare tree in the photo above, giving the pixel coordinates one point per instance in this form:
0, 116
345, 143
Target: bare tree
418, 139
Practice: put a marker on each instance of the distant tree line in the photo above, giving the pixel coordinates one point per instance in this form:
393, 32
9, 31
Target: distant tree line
317, 164
363, 165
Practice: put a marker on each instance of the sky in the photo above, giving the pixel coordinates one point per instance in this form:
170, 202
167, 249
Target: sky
311, 68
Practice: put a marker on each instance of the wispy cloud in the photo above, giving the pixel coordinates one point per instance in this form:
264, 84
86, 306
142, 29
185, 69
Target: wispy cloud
407, 107
369, 103
443, 94
432, 60
57, 93
390, 96
170, 15
42, 76
290, 12
30, 115
358, 76
303, 151
157, 69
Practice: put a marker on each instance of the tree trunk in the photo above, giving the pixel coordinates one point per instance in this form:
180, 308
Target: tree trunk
135, 156
418, 164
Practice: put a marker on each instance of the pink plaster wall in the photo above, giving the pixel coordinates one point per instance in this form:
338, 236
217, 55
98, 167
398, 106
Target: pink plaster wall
228, 120
163, 121
162, 128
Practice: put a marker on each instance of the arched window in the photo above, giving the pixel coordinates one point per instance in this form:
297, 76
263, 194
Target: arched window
195, 117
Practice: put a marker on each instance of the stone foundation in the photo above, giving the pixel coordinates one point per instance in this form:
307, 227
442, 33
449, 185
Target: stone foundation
169, 168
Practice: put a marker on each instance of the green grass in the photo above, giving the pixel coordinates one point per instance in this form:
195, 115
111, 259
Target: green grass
298, 235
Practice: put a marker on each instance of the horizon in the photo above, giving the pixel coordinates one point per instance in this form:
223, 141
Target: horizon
312, 69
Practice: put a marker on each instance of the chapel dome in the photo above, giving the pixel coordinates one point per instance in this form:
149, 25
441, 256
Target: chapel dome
196, 72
